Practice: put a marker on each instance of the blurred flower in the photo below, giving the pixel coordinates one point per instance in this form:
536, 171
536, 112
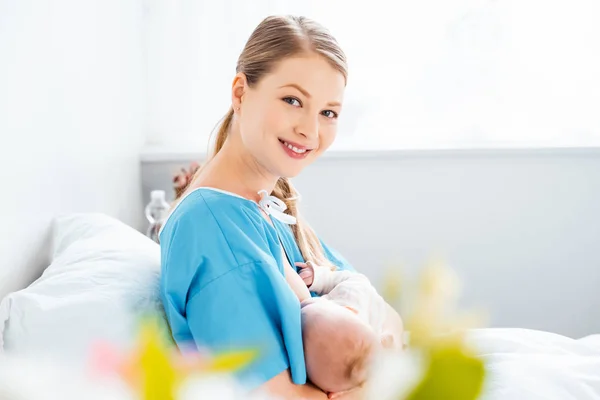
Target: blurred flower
438, 363
452, 372
158, 371
395, 375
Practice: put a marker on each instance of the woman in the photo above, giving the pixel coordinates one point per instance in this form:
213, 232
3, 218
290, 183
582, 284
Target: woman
229, 247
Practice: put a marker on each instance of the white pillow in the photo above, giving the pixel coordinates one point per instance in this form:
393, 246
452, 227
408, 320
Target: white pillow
104, 276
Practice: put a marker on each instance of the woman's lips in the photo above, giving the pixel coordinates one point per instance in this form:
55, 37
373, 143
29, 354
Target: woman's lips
294, 150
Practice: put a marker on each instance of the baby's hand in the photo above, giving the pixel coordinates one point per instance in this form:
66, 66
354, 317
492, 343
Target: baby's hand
307, 273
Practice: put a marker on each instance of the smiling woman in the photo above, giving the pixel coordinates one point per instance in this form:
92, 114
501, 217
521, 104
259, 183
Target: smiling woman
230, 245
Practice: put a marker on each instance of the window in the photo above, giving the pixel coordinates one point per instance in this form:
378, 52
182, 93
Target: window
423, 74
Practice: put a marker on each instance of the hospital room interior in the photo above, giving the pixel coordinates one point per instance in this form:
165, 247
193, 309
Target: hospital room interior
463, 183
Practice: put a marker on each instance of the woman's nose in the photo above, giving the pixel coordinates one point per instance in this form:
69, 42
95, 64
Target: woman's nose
308, 127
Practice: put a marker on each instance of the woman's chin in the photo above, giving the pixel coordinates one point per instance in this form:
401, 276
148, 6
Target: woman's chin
289, 167
290, 170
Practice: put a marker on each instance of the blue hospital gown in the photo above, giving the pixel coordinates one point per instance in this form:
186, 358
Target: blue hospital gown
223, 285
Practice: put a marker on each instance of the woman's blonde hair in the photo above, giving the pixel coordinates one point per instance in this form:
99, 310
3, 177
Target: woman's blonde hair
274, 39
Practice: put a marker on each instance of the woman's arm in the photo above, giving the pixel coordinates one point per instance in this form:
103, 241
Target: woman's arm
281, 385
296, 283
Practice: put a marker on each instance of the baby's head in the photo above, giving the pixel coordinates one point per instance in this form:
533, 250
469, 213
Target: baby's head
337, 345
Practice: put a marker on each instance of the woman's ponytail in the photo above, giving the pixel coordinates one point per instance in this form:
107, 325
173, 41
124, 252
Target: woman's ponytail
307, 240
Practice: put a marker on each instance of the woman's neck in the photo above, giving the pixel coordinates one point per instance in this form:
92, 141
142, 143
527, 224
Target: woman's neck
235, 171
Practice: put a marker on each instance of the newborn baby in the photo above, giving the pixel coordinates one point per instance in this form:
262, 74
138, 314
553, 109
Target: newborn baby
342, 328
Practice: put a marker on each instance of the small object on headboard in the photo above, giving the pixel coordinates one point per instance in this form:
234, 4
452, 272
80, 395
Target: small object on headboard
182, 180
156, 213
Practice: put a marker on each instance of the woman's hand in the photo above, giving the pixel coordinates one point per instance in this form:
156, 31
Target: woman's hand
281, 386
358, 393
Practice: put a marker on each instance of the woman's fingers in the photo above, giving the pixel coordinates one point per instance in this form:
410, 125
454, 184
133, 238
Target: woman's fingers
351, 394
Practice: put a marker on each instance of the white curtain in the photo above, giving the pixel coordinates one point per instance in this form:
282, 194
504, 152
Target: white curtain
423, 74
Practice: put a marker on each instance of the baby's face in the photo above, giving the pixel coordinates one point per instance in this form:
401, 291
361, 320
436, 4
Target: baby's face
337, 345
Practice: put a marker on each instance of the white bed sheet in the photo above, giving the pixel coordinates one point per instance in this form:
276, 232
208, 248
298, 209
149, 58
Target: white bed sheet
530, 364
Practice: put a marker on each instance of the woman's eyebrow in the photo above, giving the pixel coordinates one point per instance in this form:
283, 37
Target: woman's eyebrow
294, 85
305, 93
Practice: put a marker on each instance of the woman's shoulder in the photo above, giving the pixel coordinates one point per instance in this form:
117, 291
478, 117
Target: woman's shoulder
206, 210
216, 230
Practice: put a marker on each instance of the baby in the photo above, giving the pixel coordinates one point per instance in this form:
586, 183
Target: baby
343, 328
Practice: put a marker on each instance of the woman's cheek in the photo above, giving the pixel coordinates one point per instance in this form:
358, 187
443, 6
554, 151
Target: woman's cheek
327, 138
275, 121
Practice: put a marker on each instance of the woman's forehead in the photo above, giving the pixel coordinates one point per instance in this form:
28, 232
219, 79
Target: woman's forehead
312, 74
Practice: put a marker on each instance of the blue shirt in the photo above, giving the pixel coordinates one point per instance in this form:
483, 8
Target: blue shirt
223, 285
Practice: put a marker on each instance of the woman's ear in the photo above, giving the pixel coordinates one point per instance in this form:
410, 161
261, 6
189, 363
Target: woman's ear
238, 89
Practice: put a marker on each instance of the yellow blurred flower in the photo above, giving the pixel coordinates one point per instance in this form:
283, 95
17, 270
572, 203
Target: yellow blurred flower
448, 368
156, 369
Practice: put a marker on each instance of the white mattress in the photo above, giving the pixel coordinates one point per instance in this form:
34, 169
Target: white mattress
529, 364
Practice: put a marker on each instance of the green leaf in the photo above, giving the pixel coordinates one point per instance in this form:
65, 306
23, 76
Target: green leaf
452, 374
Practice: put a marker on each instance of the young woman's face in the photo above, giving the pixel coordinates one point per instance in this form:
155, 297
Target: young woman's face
290, 117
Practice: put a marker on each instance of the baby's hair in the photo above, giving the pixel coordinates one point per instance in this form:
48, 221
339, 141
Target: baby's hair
358, 365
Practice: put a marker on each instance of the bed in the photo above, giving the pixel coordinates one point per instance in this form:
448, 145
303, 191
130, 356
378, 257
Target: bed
99, 276
531, 364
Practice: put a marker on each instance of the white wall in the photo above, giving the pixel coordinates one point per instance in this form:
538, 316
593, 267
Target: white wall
71, 103
521, 228
462, 73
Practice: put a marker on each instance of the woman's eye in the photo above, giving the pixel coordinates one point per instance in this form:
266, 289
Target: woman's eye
292, 101
329, 114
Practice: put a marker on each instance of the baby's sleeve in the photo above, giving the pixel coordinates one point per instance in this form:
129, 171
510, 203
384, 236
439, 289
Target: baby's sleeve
223, 291
325, 280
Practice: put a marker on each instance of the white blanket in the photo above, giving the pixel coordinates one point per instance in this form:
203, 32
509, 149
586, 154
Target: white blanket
531, 365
